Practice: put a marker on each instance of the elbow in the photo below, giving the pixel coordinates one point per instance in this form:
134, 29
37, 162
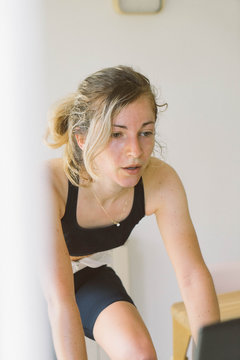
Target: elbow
59, 307
59, 300
195, 277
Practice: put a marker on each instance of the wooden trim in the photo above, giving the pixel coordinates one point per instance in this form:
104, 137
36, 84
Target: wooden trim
229, 304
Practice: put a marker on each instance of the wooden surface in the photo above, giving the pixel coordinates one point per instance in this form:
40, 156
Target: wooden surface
229, 304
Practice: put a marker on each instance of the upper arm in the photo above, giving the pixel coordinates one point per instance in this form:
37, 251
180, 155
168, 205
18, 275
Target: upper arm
55, 269
176, 227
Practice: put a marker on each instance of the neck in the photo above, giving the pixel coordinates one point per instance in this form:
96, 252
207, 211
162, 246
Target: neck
106, 194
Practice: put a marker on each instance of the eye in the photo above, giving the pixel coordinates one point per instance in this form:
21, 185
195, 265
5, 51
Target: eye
146, 133
116, 135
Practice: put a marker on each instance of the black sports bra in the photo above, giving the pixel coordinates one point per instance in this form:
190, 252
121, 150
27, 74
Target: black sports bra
85, 241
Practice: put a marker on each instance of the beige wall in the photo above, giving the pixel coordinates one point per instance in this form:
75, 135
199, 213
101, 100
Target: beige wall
191, 52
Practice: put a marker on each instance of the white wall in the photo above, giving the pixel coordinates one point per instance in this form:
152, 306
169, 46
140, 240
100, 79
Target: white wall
23, 325
191, 52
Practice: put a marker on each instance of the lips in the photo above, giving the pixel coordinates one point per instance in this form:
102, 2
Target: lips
132, 167
132, 170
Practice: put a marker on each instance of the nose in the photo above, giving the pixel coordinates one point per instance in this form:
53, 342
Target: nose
134, 148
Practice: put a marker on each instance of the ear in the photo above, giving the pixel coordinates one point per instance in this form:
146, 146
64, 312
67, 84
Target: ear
80, 140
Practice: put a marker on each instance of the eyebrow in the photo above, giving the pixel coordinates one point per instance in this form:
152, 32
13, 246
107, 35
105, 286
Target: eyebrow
125, 127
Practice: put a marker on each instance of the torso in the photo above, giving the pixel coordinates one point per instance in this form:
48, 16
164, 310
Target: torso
90, 214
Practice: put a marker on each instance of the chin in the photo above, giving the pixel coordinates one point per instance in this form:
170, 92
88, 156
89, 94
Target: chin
129, 182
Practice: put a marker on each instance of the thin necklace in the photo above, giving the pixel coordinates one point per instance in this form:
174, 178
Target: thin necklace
117, 223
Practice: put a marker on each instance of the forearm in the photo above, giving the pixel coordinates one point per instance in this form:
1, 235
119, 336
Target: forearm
67, 331
200, 300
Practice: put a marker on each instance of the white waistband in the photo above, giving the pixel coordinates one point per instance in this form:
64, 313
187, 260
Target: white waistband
93, 261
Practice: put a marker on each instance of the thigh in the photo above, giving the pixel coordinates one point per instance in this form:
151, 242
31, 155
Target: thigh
95, 290
121, 332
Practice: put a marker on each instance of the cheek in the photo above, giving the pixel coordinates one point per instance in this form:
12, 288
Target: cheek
116, 149
148, 145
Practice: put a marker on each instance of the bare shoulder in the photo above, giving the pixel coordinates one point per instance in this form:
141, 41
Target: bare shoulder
57, 182
160, 176
162, 185
55, 170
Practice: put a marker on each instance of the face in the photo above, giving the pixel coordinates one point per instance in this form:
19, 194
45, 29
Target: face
127, 154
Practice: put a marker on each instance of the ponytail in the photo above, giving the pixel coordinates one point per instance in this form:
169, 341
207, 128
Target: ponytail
57, 131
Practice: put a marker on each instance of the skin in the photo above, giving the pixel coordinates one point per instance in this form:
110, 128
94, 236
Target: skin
119, 328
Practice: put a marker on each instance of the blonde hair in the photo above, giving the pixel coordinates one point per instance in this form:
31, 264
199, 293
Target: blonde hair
89, 112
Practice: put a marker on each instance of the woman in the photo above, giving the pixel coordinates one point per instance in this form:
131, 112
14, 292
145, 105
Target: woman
105, 183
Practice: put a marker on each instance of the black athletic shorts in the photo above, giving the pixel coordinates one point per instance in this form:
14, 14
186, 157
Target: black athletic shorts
95, 289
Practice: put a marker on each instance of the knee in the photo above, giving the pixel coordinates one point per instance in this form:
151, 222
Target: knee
146, 354
139, 351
